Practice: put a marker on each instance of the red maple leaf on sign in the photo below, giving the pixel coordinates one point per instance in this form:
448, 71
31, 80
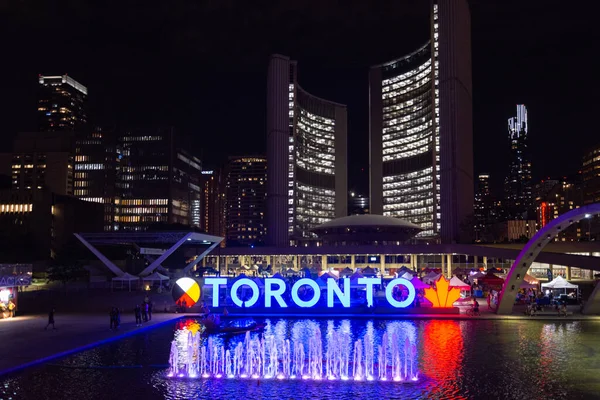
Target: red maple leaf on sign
443, 295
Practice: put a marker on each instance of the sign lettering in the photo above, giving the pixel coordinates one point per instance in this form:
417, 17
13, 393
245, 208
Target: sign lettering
275, 288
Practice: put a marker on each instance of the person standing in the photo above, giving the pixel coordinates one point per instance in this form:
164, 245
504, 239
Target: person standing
113, 318
150, 311
50, 319
145, 311
11, 309
138, 315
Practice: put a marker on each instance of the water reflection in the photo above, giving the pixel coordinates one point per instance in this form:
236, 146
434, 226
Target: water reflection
442, 353
469, 359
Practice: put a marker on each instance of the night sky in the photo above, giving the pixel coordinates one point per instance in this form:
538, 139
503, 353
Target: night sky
201, 67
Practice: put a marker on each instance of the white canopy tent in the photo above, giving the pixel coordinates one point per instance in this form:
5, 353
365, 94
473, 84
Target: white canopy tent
156, 277
559, 283
126, 277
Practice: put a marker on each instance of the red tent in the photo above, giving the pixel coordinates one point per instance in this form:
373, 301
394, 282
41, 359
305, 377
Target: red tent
491, 279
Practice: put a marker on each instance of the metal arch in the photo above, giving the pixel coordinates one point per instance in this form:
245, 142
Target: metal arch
533, 248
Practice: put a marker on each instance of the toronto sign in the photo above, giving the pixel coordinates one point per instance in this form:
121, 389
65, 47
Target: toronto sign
274, 289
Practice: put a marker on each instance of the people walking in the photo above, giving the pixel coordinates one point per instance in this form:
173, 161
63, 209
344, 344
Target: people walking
145, 311
11, 309
150, 311
51, 319
138, 315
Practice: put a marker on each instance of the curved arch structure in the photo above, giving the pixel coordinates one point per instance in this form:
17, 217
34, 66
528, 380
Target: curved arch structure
531, 251
306, 157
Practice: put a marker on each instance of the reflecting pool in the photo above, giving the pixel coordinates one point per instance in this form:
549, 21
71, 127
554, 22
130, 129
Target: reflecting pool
331, 358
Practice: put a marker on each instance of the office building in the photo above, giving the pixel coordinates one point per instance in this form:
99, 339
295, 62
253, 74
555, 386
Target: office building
96, 162
36, 225
62, 104
484, 205
307, 157
214, 203
41, 160
157, 182
518, 192
421, 138
555, 197
246, 197
591, 176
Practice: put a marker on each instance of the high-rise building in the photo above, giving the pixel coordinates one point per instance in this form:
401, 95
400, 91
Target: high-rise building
518, 192
246, 197
555, 197
61, 104
96, 162
214, 202
421, 138
306, 153
214, 205
43, 160
157, 182
591, 176
483, 206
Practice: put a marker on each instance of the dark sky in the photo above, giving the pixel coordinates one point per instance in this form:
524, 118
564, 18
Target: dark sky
201, 67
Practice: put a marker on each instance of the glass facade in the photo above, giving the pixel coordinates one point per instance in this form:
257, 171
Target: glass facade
410, 138
312, 167
518, 191
246, 201
61, 104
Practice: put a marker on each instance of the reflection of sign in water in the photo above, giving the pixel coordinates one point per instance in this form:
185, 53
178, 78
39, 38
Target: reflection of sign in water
274, 288
186, 289
443, 295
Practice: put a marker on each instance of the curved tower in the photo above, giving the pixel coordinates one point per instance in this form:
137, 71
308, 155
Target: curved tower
306, 157
421, 138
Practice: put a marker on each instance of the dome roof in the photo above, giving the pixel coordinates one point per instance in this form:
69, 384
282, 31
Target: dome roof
368, 220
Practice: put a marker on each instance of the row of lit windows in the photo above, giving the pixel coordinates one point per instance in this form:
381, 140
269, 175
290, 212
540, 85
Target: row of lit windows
144, 210
144, 202
140, 138
398, 78
87, 166
16, 208
144, 168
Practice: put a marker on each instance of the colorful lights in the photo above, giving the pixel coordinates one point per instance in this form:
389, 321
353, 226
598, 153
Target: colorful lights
443, 295
186, 290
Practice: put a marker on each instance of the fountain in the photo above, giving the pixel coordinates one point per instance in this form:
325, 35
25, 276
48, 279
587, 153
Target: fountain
278, 358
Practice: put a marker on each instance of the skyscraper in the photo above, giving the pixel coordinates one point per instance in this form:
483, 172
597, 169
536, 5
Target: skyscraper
246, 199
483, 206
421, 137
591, 176
306, 153
61, 103
213, 219
518, 185
96, 164
157, 182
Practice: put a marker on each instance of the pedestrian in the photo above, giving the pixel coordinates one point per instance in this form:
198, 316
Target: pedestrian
50, 319
145, 311
117, 318
113, 318
150, 311
11, 309
138, 315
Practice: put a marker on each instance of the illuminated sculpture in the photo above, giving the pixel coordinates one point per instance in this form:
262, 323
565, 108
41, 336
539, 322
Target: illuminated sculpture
443, 295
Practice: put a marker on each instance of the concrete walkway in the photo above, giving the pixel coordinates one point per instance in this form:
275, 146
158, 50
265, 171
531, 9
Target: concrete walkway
24, 342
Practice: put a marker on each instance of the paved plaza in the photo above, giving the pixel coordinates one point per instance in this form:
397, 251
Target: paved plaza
25, 342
